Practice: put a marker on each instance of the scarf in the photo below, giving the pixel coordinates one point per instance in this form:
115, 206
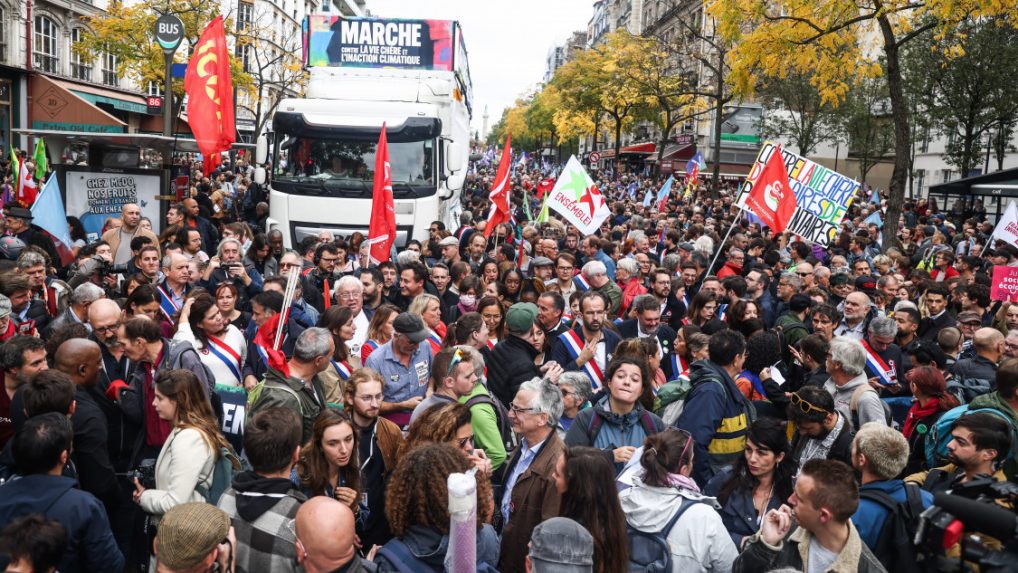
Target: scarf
683, 482
916, 413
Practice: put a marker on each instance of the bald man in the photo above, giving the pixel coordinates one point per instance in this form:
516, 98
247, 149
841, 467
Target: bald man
857, 306
978, 375
325, 537
193, 220
120, 239
81, 359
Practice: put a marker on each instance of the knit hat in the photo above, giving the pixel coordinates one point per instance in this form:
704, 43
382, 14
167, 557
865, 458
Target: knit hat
5, 306
188, 533
561, 545
520, 318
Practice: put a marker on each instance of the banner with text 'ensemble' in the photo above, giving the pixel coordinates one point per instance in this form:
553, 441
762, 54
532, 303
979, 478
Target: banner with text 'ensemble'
822, 196
578, 199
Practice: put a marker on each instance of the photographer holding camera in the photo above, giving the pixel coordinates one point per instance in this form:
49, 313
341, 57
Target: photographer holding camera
228, 265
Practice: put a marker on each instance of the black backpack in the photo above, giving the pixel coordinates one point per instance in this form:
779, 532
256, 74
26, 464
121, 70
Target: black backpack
651, 552
895, 547
505, 429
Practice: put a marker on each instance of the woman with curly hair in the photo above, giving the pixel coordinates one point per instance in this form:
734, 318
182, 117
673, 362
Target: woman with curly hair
586, 480
417, 505
448, 424
328, 464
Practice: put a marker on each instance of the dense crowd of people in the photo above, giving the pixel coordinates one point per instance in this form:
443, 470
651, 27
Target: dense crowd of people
681, 391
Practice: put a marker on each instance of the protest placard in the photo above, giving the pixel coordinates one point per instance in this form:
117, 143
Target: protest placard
822, 196
1005, 283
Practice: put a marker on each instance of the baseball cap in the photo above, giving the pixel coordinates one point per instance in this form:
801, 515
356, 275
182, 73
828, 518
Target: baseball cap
188, 533
866, 284
449, 241
5, 306
966, 316
520, 317
560, 545
410, 326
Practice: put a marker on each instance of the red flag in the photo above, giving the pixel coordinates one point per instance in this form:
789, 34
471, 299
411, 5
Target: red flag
499, 195
545, 186
382, 229
209, 88
28, 189
265, 338
772, 198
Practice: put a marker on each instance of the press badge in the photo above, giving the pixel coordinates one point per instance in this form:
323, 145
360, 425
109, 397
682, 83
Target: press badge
422, 373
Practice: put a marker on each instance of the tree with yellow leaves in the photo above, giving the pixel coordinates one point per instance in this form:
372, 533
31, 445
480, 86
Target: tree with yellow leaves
840, 41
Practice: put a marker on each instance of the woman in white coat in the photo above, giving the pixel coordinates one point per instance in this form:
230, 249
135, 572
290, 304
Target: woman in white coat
698, 539
189, 454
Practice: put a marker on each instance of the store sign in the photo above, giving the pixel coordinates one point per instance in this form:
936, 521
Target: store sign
154, 105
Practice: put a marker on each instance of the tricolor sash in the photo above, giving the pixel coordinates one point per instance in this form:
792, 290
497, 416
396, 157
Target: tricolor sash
574, 345
229, 356
581, 283
166, 303
886, 375
342, 368
491, 345
722, 311
435, 342
372, 345
679, 366
262, 354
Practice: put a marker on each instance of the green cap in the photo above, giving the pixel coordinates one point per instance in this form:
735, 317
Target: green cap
520, 318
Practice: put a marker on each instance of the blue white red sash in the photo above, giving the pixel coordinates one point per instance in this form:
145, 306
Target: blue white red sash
262, 354
372, 345
342, 368
491, 345
722, 311
229, 356
166, 303
435, 342
885, 374
679, 366
574, 345
581, 283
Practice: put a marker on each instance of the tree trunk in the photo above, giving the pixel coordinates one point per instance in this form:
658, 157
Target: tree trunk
719, 110
899, 111
618, 141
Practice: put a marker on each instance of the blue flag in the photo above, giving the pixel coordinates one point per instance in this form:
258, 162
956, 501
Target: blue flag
648, 198
662, 195
632, 190
49, 214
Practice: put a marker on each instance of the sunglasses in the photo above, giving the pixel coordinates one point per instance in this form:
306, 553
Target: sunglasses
805, 406
457, 357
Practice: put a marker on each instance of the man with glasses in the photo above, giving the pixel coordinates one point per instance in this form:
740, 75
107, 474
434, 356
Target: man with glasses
588, 347
822, 433
565, 271
807, 279
405, 366
317, 280
672, 311
529, 495
350, 293
733, 265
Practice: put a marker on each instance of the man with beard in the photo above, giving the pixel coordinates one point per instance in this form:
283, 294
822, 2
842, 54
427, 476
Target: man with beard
597, 277
908, 320
371, 280
318, 282
21, 358
588, 346
853, 323
672, 311
648, 324
380, 443
979, 441
822, 433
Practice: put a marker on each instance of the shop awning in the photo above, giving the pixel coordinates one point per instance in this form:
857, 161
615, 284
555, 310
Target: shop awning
118, 100
675, 152
999, 183
55, 107
183, 144
635, 149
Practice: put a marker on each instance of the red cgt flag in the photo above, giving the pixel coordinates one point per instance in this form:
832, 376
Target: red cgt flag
772, 198
209, 88
545, 186
382, 229
499, 195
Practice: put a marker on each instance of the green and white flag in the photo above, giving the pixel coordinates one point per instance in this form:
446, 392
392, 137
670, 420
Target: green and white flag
577, 199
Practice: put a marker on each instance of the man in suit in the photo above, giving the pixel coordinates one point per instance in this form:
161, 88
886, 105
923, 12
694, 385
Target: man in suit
647, 324
589, 346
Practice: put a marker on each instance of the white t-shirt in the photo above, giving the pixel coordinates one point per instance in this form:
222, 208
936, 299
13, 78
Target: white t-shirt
820, 558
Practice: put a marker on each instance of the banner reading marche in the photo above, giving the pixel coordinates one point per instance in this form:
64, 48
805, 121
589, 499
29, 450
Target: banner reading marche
576, 198
822, 196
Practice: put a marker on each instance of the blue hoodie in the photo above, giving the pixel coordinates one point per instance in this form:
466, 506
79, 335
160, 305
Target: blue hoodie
90, 543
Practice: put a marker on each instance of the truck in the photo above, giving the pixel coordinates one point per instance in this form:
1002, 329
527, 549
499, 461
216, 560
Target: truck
410, 75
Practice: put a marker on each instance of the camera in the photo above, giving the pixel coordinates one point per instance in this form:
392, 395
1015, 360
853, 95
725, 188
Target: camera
105, 268
145, 473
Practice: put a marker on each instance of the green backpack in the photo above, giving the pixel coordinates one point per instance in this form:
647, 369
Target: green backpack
227, 463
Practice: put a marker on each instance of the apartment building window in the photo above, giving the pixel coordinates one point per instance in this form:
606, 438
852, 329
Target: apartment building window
44, 46
244, 53
110, 75
245, 15
81, 69
945, 175
3, 34
155, 89
920, 178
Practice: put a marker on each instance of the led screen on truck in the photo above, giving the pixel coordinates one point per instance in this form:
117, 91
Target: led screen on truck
379, 43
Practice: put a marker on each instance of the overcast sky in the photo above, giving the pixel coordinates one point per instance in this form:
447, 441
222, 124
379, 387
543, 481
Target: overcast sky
507, 40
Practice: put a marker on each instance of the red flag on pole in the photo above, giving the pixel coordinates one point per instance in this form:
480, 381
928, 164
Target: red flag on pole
545, 186
499, 195
382, 229
772, 198
209, 88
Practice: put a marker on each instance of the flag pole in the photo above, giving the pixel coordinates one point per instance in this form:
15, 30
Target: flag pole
718, 249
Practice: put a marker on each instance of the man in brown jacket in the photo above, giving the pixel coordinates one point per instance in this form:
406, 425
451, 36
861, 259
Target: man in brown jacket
381, 444
120, 239
528, 494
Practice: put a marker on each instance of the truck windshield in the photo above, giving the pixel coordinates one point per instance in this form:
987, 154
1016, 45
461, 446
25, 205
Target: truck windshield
334, 167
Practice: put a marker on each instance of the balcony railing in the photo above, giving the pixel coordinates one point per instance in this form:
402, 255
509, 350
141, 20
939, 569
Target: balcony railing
81, 72
44, 63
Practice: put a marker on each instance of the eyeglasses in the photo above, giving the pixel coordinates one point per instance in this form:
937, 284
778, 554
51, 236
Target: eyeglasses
518, 410
112, 327
371, 398
491, 316
329, 259
804, 274
288, 265
348, 296
805, 406
464, 441
457, 357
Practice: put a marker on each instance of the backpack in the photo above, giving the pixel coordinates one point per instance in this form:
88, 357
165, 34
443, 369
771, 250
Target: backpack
895, 547
399, 556
227, 463
175, 351
651, 552
671, 399
966, 389
505, 429
594, 425
854, 406
940, 433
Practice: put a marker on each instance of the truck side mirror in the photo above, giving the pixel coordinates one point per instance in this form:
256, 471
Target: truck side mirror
259, 175
453, 160
261, 150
